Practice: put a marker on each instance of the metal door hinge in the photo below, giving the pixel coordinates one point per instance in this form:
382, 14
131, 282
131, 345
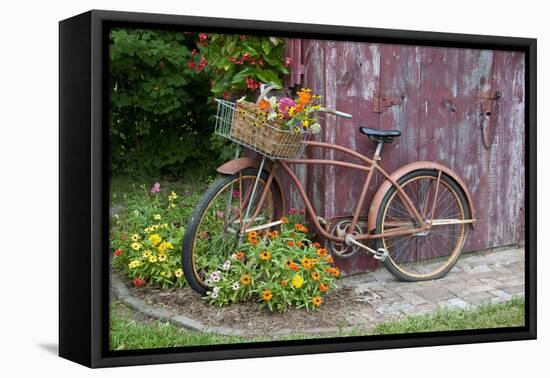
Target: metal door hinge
381, 102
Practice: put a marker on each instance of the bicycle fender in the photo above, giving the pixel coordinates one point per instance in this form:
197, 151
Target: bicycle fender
402, 171
234, 166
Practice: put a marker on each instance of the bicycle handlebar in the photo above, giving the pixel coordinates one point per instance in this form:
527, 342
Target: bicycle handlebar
336, 113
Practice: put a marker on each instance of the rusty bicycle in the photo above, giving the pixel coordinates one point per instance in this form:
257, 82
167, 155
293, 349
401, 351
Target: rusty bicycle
417, 222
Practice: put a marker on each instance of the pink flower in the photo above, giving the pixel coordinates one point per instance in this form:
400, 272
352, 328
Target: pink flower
235, 194
287, 61
193, 52
284, 104
155, 188
219, 213
203, 36
292, 211
302, 211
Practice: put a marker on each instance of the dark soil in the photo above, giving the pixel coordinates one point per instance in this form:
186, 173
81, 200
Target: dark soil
342, 309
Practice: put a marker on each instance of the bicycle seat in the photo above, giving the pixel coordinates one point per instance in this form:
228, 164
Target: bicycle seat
384, 136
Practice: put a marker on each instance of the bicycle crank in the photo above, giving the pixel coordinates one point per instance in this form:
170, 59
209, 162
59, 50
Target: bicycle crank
380, 254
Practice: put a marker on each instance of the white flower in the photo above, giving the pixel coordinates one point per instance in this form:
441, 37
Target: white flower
236, 286
216, 278
226, 265
241, 99
208, 282
271, 116
315, 128
272, 101
214, 295
216, 290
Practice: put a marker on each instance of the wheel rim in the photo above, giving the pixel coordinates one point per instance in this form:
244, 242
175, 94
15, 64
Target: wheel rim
426, 255
217, 234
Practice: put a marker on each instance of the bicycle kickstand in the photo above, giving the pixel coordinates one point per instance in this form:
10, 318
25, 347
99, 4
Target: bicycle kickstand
380, 254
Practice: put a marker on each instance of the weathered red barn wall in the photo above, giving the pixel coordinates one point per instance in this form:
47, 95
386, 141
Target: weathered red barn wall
442, 94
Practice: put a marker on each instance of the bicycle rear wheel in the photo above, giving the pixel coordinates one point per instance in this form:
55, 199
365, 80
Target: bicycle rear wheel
212, 234
428, 255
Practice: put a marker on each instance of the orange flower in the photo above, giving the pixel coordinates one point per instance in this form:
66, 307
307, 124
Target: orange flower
284, 283
273, 234
291, 265
315, 276
284, 220
239, 256
322, 252
267, 295
252, 234
301, 228
264, 105
317, 301
306, 263
265, 255
304, 96
329, 259
317, 245
246, 279
299, 244
290, 243
323, 287
335, 272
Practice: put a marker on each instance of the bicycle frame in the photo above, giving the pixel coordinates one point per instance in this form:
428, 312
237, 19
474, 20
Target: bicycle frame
368, 165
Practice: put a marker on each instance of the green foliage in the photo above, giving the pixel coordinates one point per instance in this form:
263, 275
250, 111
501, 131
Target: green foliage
159, 114
281, 270
146, 235
239, 63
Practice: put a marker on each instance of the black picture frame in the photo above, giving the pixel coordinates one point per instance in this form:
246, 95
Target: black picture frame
83, 195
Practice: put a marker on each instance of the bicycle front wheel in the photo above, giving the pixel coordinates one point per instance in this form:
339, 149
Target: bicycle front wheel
431, 254
213, 232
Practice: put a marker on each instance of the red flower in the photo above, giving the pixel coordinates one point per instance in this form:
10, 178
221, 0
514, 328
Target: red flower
251, 83
193, 52
139, 282
287, 61
191, 64
261, 62
118, 252
292, 210
203, 36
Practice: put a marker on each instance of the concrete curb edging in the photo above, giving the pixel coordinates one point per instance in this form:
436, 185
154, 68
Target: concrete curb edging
122, 293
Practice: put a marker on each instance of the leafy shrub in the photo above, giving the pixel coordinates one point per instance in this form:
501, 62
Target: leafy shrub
281, 270
159, 111
146, 239
239, 63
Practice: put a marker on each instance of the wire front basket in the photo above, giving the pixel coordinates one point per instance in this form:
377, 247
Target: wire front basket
239, 122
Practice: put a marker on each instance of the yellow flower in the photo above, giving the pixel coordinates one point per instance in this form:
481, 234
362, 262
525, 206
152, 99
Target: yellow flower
134, 264
246, 279
152, 259
156, 217
135, 237
165, 246
297, 281
172, 196
154, 227
162, 273
178, 273
162, 257
164, 225
136, 246
265, 255
171, 205
315, 276
147, 229
155, 239
147, 253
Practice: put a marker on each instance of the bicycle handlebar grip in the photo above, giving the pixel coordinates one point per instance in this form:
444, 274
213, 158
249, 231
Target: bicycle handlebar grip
336, 113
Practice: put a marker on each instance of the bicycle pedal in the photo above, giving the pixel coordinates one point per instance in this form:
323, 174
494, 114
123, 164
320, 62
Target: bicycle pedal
381, 254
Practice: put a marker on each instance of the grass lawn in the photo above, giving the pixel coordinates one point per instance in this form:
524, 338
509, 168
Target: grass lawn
129, 331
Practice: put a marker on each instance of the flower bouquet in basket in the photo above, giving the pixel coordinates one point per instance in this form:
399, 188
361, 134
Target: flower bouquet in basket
276, 127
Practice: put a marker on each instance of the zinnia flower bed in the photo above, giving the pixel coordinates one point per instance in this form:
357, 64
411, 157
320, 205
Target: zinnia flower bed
279, 269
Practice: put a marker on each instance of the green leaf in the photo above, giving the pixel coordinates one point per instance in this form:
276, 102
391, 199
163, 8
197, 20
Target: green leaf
266, 46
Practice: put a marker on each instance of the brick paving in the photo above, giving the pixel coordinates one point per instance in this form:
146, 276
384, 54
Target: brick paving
491, 276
